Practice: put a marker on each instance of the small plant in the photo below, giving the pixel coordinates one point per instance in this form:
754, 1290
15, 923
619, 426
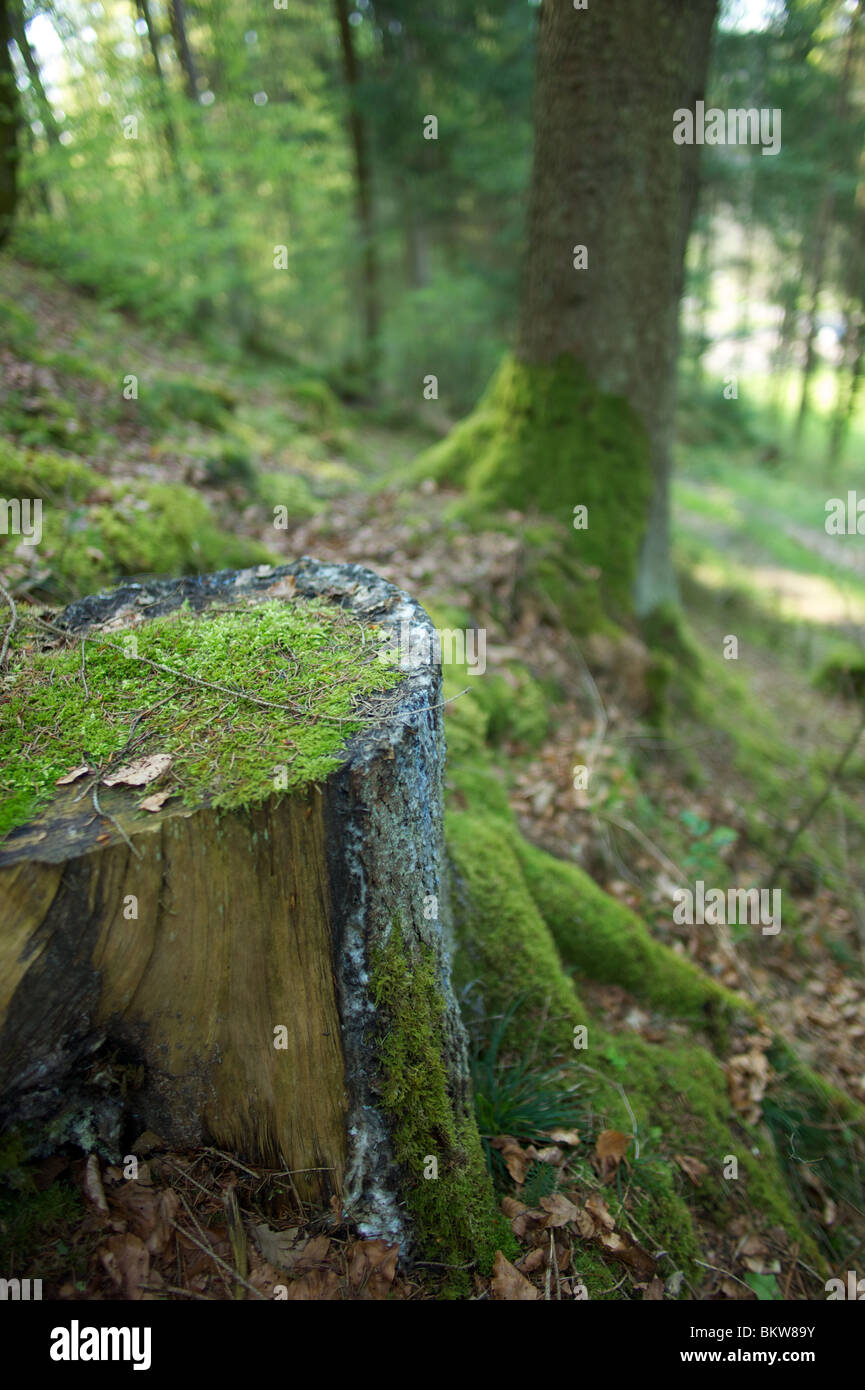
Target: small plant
519, 1098
703, 857
541, 1181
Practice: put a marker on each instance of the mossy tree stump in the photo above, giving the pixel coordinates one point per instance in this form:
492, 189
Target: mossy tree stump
266, 950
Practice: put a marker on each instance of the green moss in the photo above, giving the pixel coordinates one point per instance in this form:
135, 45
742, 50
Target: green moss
605, 941
454, 1212
318, 402
546, 439
225, 751
187, 399
287, 490
18, 329
505, 946
94, 531
533, 927
842, 672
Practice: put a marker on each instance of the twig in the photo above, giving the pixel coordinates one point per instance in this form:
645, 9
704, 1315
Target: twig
4, 650
176, 1289
116, 823
726, 1273
806, 818
208, 1250
289, 708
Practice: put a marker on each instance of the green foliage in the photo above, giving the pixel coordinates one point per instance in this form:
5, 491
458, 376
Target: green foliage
186, 399
703, 857
842, 672
514, 1095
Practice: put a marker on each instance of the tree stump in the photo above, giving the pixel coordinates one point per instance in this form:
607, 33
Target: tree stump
267, 964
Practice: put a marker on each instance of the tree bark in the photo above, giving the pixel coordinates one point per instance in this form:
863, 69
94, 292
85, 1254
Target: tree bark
248, 920
9, 120
22, 43
177, 13
823, 231
363, 190
607, 175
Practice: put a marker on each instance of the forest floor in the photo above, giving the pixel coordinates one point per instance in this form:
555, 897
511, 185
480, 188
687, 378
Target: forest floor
668, 805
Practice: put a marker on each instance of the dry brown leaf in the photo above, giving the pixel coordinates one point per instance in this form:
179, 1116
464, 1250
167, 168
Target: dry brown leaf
611, 1147
315, 1286
564, 1136
372, 1268
692, 1167
282, 588
509, 1284
611, 1143
73, 775
277, 1247
560, 1209
93, 1185
156, 801
533, 1260
551, 1154
597, 1208
126, 1261
149, 1212
517, 1161
139, 773
654, 1291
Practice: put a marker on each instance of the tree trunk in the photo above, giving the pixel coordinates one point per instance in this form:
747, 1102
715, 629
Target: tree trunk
823, 230
9, 118
607, 175
321, 912
177, 14
169, 128
363, 190
28, 57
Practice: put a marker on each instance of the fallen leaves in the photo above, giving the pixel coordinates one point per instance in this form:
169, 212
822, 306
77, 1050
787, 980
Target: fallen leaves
550, 1230
74, 775
156, 801
692, 1168
141, 772
509, 1284
748, 1075
610, 1148
517, 1160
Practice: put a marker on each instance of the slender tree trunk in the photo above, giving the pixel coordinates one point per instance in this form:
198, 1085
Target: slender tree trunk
822, 234
177, 13
28, 57
608, 175
849, 381
363, 190
9, 119
168, 126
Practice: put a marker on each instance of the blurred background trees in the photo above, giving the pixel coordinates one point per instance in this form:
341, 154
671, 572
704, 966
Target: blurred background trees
168, 149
